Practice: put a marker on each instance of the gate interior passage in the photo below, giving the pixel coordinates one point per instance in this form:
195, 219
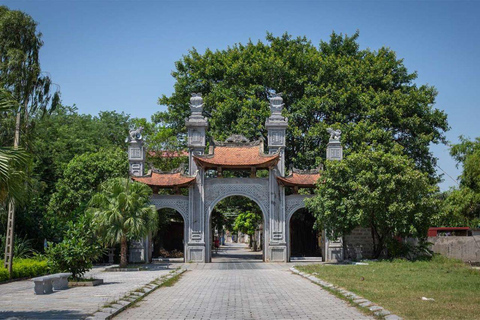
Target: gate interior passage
235, 167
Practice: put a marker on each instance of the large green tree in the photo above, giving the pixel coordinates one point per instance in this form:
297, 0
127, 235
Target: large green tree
376, 189
461, 206
123, 212
369, 95
81, 179
21, 75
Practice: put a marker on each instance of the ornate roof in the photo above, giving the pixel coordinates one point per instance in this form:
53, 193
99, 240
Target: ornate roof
166, 179
300, 178
237, 152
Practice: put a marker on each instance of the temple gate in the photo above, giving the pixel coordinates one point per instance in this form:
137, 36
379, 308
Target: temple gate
205, 190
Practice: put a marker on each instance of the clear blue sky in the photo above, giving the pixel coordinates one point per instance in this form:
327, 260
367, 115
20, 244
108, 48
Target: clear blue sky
118, 55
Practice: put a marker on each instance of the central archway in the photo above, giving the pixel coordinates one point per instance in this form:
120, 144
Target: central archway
233, 251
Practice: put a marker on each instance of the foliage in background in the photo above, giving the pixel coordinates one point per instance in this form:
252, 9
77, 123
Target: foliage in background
78, 250
24, 268
369, 95
122, 212
81, 179
461, 206
22, 247
164, 150
375, 189
247, 222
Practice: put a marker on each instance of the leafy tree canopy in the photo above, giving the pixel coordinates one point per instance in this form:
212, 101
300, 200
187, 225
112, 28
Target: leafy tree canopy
81, 179
369, 95
376, 189
461, 206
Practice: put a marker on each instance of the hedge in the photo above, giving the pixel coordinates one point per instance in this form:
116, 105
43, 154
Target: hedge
24, 268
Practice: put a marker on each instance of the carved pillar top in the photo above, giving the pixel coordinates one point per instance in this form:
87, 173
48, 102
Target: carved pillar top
196, 125
334, 147
196, 118
276, 126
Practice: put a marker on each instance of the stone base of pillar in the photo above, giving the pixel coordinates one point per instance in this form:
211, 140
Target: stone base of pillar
276, 253
195, 253
334, 251
136, 252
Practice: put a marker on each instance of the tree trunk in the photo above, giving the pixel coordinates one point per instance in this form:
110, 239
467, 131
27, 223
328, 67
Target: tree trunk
10, 236
123, 252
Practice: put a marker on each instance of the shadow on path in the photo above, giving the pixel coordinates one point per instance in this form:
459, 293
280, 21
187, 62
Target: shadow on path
51, 314
236, 253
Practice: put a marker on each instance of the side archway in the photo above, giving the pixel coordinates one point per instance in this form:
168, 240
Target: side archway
302, 239
180, 205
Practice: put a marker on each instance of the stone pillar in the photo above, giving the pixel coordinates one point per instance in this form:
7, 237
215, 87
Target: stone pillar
333, 247
136, 152
196, 125
138, 251
334, 147
276, 126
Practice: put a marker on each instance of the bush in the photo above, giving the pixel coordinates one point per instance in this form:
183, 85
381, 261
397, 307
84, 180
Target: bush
77, 251
24, 268
22, 247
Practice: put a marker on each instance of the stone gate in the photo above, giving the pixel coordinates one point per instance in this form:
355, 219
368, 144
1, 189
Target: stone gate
207, 185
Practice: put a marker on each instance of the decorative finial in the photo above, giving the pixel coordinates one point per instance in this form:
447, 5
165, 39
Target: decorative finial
196, 103
276, 103
334, 134
135, 134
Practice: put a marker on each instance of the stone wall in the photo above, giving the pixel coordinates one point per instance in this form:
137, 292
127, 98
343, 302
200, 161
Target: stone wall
358, 244
463, 248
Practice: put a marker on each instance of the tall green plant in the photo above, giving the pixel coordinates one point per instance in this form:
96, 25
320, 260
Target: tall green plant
122, 212
78, 250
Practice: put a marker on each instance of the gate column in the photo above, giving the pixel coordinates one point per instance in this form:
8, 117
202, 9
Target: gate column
276, 125
196, 125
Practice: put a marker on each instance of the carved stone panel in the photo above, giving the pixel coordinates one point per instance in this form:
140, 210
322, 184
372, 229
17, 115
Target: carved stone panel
276, 138
294, 203
254, 189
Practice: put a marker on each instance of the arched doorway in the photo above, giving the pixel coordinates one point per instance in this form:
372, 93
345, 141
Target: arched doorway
305, 242
169, 240
236, 230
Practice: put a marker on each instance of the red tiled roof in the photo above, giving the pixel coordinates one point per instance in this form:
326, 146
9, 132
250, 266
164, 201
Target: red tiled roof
302, 180
168, 154
166, 180
237, 157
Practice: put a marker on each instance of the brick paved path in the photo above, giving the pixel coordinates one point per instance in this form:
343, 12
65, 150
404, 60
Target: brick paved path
241, 290
19, 302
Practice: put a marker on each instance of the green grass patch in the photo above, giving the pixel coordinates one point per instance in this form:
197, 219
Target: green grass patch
24, 268
399, 286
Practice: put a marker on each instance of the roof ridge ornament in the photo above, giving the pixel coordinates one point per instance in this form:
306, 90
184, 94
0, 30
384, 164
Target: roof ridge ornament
237, 138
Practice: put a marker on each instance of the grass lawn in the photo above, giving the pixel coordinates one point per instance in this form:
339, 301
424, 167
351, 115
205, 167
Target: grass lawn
400, 285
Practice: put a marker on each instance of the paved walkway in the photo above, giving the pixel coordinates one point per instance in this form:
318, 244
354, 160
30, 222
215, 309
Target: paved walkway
239, 286
17, 300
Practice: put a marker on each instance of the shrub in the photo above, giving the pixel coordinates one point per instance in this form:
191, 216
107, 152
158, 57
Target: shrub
77, 251
24, 268
22, 247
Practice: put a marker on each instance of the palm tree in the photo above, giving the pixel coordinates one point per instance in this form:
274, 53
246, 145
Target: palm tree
122, 212
12, 178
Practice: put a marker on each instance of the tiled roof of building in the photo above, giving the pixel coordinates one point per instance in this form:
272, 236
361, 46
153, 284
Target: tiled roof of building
300, 179
166, 180
167, 154
237, 156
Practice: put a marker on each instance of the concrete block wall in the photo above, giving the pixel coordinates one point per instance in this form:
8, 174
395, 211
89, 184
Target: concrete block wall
463, 248
358, 244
